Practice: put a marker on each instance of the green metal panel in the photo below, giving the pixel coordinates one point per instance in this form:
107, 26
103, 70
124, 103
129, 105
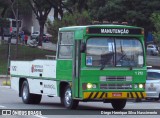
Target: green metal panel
64, 70
92, 74
78, 35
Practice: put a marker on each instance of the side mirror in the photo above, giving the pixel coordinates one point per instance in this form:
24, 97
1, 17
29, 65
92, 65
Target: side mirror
83, 47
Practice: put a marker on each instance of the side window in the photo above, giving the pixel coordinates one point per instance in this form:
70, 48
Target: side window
65, 45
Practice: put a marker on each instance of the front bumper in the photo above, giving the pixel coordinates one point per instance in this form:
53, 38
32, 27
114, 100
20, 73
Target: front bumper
152, 94
113, 95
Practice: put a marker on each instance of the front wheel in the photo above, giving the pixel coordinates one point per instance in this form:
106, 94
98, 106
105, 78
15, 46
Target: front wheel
119, 104
68, 101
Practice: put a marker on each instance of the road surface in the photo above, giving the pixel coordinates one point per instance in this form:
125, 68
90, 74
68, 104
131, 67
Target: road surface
9, 100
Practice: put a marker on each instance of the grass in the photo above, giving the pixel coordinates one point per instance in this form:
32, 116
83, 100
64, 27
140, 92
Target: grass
24, 53
6, 83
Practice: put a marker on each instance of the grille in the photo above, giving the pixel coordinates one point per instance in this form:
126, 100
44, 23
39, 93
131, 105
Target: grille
115, 78
116, 86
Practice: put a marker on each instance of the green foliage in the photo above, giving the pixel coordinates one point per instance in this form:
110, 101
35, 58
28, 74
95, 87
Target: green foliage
96, 9
135, 12
155, 18
68, 20
77, 5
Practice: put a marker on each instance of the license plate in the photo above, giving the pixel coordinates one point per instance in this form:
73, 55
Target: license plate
116, 94
152, 89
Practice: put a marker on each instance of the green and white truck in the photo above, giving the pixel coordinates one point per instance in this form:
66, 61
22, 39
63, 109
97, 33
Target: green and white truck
104, 63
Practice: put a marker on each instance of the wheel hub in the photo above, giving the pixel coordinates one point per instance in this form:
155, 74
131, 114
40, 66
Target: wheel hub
68, 96
25, 92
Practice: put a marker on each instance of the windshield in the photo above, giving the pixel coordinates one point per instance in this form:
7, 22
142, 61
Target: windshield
153, 76
106, 51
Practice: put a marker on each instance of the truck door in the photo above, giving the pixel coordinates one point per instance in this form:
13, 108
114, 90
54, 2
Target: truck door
76, 68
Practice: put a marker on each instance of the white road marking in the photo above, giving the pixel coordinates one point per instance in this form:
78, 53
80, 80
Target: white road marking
5, 87
39, 116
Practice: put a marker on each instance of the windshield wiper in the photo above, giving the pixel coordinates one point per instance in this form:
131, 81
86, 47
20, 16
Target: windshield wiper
106, 58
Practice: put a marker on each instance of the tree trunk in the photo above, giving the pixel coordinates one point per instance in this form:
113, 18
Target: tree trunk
41, 33
2, 15
60, 9
55, 13
2, 33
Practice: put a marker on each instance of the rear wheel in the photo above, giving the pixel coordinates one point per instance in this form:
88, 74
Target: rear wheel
119, 104
27, 97
157, 98
138, 100
67, 99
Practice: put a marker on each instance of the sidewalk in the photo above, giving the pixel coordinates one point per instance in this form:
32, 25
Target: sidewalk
46, 46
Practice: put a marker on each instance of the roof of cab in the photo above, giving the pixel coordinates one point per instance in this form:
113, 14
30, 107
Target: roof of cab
103, 25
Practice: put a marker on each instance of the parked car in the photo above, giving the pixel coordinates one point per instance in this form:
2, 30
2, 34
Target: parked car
152, 49
46, 38
153, 84
34, 35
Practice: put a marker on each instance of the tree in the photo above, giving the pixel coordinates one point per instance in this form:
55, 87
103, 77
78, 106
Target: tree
77, 5
41, 9
57, 5
4, 6
68, 20
96, 8
135, 12
155, 18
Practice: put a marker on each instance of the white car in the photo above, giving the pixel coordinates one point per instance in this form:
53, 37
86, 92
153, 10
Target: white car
152, 50
153, 84
34, 35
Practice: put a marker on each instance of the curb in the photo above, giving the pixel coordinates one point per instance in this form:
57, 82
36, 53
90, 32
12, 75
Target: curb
4, 76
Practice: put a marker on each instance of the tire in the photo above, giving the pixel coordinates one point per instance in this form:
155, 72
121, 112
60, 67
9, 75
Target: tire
67, 99
152, 53
156, 99
61, 99
138, 100
119, 104
27, 97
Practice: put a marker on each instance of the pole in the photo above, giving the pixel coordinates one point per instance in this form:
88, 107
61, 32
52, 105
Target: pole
8, 60
17, 32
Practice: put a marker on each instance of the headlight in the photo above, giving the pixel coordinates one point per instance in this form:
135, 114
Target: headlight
140, 86
89, 86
